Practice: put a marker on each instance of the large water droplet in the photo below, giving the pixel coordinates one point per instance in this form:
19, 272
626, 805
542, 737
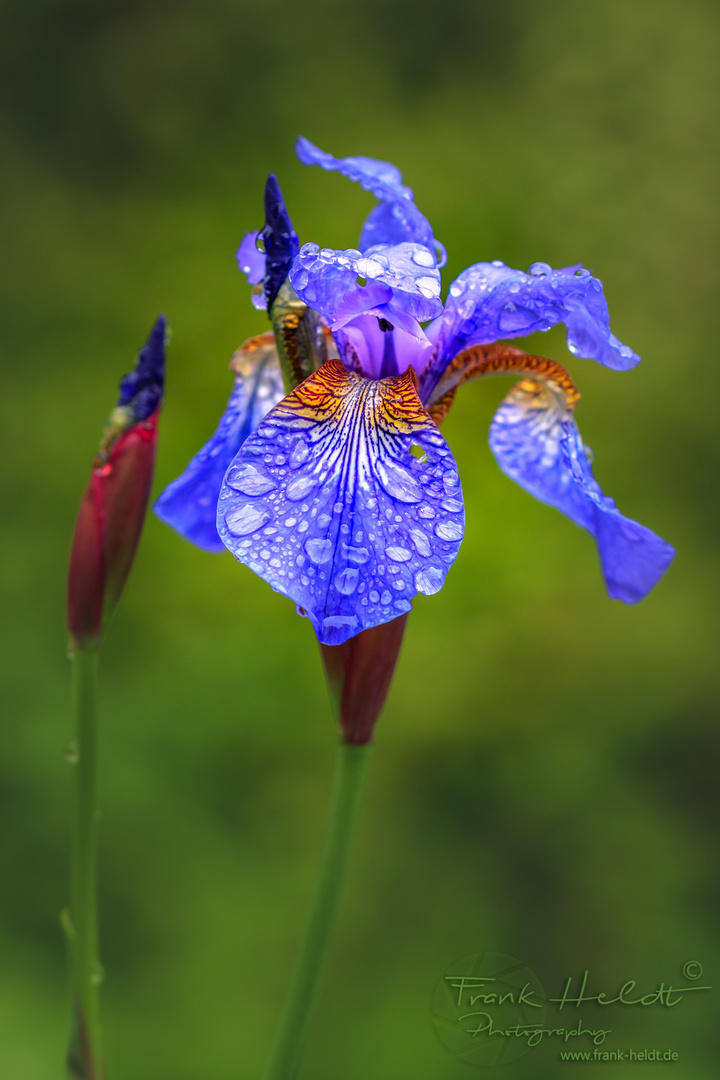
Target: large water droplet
249, 479
246, 519
398, 482
297, 489
449, 530
398, 554
357, 555
429, 287
423, 257
369, 268
338, 621
429, 580
300, 453
346, 581
320, 551
421, 542
513, 319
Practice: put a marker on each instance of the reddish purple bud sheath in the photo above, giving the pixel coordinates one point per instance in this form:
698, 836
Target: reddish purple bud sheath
359, 673
113, 508
107, 533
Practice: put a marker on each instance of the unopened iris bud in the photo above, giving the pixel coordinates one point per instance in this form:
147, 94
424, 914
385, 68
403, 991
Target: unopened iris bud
279, 238
113, 508
359, 673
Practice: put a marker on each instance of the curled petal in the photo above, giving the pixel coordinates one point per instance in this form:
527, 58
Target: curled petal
189, 504
347, 500
396, 219
536, 442
490, 301
402, 283
481, 361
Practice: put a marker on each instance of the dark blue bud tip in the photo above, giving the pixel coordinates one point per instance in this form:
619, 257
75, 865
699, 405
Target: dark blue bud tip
142, 388
280, 239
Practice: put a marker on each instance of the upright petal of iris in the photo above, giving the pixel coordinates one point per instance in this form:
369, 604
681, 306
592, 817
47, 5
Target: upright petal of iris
347, 500
396, 219
402, 285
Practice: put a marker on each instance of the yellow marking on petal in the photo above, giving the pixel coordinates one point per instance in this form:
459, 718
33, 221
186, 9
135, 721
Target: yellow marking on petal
391, 403
256, 350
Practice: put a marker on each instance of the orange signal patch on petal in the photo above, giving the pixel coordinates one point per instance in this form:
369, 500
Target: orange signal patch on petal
328, 502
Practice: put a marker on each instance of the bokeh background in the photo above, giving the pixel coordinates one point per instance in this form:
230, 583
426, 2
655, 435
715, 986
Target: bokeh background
545, 780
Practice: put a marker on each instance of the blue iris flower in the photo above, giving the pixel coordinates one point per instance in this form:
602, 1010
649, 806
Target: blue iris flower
338, 487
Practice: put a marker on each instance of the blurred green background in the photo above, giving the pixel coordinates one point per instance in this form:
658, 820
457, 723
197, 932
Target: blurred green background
545, 782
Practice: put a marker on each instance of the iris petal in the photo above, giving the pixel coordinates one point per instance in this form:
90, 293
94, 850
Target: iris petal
402, 284
537, 443
489, 301
327, 503
189, 504
396, 219
250, 260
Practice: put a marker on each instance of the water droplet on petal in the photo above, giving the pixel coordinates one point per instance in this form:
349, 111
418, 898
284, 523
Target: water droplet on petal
429, 287
297, 489
514, 318
423, 257
346, 581
339, 621
429, 580
398, 482
249, 479
246, 519
300, 453
421, 542
357, 555
320, 551
449, 530
398, 554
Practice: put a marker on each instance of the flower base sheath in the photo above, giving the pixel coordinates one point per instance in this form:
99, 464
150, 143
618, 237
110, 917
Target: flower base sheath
359, 673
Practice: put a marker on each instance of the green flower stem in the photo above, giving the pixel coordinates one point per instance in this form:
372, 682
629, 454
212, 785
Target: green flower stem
350, 770
84, 1056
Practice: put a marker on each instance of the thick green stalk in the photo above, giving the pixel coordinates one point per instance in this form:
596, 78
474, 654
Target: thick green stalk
84, 1054
350, 772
